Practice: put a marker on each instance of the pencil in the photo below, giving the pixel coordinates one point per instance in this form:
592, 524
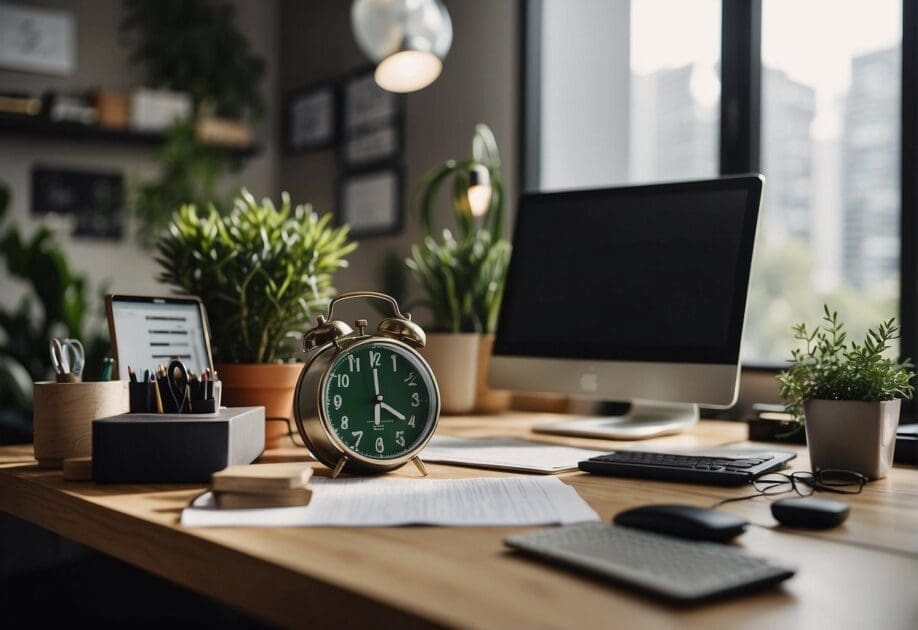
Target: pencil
159, 400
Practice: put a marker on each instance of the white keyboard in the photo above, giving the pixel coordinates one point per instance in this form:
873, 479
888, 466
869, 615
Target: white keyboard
674, 568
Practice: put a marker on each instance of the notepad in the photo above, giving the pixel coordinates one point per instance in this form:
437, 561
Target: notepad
389, 501
506, 454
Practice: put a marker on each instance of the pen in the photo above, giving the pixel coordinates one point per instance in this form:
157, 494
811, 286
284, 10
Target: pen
107, 370
130, 374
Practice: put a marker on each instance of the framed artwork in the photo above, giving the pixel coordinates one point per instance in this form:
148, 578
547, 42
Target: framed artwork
370, 201
372, 122
36, 39
95, 200
310, 119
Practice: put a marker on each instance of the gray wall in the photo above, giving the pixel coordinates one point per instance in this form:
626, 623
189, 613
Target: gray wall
303, 43
101, 62
479, 83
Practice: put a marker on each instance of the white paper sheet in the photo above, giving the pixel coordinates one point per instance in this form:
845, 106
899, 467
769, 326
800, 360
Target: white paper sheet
505, 454
386, 502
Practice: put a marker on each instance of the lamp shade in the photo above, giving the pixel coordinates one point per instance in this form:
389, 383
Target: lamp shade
407, 39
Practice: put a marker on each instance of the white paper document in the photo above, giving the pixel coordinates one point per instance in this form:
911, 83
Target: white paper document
387, 502
505, 454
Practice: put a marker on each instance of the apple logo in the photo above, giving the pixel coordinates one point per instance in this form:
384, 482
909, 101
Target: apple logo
589, 382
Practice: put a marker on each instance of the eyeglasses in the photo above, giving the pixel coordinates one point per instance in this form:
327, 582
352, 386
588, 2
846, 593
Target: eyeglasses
805, 483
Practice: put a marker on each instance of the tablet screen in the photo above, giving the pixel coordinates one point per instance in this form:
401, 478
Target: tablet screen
149, 331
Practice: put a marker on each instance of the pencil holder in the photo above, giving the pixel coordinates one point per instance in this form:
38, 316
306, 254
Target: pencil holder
63, 415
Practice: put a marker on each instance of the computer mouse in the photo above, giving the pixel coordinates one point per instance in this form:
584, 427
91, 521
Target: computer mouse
810, 512
683, 521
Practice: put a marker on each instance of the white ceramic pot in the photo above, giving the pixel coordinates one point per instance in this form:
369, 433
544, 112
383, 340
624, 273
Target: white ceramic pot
453, 357
852, 435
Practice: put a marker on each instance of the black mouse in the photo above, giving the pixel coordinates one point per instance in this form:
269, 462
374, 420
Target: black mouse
683, 521
810, 512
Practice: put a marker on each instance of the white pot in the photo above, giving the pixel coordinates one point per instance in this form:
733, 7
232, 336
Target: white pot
852, 435
453, 357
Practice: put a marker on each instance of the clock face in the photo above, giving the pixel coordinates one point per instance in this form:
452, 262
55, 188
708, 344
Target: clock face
380, 400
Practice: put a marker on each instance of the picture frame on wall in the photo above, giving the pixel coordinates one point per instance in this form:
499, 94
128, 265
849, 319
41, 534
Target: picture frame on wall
370, 201
310, 119
372, 122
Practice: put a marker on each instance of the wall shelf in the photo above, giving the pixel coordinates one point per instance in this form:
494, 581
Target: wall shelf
35, 127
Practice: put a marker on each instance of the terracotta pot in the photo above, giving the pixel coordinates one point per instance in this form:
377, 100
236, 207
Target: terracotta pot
852, 435
453, 357
488, 400
270, 385
63, 415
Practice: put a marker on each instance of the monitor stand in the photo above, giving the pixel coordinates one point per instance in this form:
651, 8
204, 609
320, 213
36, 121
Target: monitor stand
645, 419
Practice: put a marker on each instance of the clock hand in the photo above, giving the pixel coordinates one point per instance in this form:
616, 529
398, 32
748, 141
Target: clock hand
376, 413
392, 411
376, 383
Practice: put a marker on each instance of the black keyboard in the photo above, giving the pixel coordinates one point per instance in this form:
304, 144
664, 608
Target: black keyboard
734, 470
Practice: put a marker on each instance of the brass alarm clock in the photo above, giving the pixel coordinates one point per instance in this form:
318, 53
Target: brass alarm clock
366, 402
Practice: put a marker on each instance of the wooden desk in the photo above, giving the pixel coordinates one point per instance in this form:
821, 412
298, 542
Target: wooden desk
862, 575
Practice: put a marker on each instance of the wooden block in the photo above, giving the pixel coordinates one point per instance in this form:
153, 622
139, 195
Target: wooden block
261, 478
78, 469
246, 500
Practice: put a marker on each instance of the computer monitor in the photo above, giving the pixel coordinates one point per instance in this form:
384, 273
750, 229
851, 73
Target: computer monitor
631, 294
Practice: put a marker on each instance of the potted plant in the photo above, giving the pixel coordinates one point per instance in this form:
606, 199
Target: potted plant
847, 394
262, 272
462, 275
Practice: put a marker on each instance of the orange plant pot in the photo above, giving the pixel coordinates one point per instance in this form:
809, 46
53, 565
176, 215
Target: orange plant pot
270, 385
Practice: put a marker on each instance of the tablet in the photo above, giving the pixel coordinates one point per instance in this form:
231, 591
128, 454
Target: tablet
146, 331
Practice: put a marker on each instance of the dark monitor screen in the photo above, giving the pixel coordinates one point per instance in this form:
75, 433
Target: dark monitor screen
641, 273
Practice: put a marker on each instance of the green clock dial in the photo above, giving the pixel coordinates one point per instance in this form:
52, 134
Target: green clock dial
380, 400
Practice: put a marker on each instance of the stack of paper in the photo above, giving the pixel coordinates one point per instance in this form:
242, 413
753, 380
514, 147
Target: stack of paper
506, 454
386, 502
262, 485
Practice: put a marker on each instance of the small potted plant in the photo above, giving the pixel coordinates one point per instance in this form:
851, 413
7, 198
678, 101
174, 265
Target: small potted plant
462, 276
847, 394
262, 273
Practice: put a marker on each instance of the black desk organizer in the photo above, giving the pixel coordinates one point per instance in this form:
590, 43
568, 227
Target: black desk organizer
175, 448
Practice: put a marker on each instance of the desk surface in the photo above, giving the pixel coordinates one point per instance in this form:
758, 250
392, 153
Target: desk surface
860, 575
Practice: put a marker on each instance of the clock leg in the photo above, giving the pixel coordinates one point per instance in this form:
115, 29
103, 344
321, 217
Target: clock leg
338, 467
421, 467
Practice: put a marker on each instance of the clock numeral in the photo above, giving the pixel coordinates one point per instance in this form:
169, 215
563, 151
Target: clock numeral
400, 438
358, 435
353, 363
394, 366
336, 401
344, 422
415, 400
375, 359
344, 380
411, 422
380, 445
411, 379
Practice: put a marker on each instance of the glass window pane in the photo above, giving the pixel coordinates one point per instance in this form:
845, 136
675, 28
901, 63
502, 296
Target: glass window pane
630, 91
829, 231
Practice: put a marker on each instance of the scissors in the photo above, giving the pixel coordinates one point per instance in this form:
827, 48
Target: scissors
179, 385
68, 358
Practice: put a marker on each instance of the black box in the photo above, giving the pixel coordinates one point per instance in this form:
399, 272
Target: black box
165, 448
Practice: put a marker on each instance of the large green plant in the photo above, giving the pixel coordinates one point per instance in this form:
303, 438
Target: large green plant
261, 271
191, 46
194, 46
54, 305
829, 366
463, 275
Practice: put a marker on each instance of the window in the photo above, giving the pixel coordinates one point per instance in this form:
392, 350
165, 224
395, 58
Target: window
629, 91
809, 92
830, 150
